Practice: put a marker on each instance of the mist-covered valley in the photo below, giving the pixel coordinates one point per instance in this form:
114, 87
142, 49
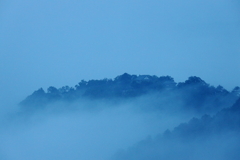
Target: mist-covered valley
130, 117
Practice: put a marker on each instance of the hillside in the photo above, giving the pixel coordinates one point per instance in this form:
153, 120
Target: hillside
193, 94
208, 137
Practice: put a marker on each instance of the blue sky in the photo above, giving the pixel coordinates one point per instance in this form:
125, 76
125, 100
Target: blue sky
59, 42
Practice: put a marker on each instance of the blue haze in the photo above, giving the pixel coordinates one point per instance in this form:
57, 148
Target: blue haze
57, 43
44, 43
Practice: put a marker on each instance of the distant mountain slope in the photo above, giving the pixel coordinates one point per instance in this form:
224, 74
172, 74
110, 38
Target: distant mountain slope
208, 137
228, 119
193, 94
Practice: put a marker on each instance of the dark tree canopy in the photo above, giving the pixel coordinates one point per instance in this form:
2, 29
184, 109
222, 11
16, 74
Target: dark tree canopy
194, 93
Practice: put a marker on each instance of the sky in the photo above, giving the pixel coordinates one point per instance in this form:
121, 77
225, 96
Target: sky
59, 42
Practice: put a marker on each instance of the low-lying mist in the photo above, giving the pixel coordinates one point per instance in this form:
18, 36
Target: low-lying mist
81, 130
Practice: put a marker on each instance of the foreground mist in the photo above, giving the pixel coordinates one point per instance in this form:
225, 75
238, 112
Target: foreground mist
130, 117
80, 133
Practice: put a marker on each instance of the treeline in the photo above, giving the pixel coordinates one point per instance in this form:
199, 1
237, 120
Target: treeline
193, 93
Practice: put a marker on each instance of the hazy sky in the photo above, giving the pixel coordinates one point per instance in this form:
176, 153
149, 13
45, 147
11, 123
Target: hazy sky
60, 42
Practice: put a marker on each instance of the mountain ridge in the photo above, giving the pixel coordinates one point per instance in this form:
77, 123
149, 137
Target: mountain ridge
194, 92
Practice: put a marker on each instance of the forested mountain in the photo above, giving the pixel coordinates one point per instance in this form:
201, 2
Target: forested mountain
193, 94
208, 137
210, 130
228, 119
